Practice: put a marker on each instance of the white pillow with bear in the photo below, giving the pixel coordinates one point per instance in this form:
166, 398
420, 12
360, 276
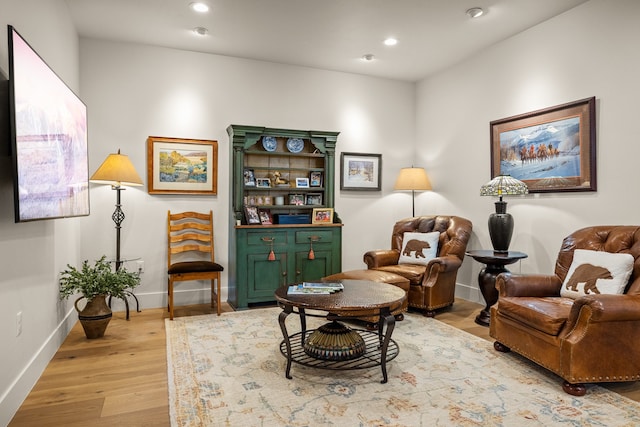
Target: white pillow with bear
419, 248
597, 272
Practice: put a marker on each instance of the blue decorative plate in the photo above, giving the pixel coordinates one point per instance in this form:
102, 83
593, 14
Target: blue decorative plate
269, 143
295, 145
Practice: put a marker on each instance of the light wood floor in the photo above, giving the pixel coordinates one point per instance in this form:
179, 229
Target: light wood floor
121, 379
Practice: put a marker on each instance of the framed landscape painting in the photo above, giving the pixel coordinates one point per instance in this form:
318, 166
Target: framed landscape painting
182, 166
551, 150
360, 171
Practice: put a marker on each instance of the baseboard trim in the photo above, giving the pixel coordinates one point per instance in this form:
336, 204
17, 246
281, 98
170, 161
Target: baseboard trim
18, 391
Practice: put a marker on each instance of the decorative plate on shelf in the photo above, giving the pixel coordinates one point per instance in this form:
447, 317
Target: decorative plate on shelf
295, 145
269, 143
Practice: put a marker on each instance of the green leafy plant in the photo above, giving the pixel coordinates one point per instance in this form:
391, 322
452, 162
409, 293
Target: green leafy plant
95, 280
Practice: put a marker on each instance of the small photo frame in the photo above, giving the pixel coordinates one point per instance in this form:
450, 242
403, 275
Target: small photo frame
314, 199
251, 215
322, 216
265, 216
302, 182
263, 183
315, 179
296, 199
249, 178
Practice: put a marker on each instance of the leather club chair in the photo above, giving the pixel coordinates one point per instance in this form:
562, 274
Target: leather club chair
431, 286
594, 338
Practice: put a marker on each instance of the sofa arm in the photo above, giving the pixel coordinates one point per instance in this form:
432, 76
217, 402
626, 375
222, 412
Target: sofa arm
380, 258
445, 264
607, 308
528, 285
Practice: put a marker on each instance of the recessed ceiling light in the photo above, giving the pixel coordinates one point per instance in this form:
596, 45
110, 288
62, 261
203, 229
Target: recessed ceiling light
368, 57
475, 12
199, 7
391, 41
201, 31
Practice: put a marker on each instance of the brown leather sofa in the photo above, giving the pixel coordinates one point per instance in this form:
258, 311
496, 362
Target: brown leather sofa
431, 286
594, 338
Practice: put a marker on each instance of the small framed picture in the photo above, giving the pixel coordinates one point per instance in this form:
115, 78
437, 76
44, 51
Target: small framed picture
263, 183
314, 199
302, 182
265, 216
251, 215
296, 199
360, 171
315, 179
322, 216
249, 178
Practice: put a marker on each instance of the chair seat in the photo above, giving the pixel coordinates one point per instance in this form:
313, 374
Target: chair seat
413, 272
194, 267
547, 314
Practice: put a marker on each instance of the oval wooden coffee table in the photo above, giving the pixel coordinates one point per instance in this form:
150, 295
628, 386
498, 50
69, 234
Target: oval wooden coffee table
345, 348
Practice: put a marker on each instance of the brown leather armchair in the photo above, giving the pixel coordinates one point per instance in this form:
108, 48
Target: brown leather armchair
594, 338
431, 286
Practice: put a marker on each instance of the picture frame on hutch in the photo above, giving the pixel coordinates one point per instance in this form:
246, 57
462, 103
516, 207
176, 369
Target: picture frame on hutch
263, 182
551, 150
302, 182
182, 166
265, 216
315, 179
251, 215
322, 216
314, 199
360, 171
249, 178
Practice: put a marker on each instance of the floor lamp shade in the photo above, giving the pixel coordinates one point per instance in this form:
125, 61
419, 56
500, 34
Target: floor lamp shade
117, 170
501, 222
412, 179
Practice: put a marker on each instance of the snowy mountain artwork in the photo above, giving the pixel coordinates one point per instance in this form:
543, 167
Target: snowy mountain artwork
550, 150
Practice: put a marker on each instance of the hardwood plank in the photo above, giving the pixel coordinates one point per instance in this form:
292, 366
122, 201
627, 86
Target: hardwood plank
121, 379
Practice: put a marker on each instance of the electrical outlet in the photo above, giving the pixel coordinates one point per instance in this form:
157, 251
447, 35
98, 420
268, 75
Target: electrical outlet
18, 323
140, 265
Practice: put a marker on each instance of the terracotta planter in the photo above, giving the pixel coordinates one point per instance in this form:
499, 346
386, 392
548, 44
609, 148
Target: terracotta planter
94, 317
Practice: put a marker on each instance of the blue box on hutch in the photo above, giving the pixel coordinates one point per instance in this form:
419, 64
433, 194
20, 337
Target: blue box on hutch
292, 219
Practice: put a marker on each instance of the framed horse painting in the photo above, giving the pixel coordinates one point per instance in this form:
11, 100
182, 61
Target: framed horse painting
551, 150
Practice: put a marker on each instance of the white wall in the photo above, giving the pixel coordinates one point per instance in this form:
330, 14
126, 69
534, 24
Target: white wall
588, 51
134, 91
33, 253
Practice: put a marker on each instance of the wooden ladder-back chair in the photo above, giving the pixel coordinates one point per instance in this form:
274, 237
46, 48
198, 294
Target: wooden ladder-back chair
192, 232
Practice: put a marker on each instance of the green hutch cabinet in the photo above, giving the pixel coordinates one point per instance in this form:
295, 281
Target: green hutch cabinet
279, 176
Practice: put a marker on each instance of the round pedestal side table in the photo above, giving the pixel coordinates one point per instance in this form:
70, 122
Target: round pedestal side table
494, 264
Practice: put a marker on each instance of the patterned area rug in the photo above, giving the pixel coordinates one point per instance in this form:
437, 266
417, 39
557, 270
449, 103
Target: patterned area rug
228, 371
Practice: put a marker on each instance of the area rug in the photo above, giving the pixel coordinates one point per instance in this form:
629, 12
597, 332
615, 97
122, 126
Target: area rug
228, 371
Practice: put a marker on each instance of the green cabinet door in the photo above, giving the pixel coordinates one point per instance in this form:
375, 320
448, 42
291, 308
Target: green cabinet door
257, 277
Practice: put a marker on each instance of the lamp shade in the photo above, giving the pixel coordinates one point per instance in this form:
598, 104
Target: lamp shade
117, 170
504, 185
414, 179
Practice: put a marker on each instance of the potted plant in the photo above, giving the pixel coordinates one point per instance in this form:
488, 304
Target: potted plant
95, 283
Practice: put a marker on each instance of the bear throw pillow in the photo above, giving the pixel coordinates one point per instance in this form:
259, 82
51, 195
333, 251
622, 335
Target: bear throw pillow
597, 272
419, 248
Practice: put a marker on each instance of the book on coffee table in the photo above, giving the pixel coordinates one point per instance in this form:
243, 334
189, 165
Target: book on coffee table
306, 288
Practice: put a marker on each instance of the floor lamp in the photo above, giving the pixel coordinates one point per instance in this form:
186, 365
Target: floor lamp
117, 170
413, 179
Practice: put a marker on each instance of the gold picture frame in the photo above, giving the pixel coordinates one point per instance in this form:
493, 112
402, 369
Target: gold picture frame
182, 166
322, 216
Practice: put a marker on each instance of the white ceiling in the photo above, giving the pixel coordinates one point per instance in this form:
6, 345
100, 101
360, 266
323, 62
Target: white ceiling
326, 34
